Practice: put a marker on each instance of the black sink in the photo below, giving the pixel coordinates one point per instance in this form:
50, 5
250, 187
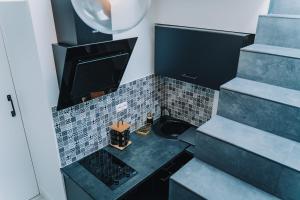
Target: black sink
169, 127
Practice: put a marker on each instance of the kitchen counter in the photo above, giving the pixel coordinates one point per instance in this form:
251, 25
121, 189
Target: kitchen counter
147, 154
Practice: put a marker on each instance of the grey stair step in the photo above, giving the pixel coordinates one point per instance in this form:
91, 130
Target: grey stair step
284, 15
279, 30
198, 180
266, 161
269, 92
273, 50
271, 64
270, 108
291, 7
278, 149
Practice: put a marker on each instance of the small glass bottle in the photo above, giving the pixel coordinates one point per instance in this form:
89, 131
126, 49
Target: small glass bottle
149, 120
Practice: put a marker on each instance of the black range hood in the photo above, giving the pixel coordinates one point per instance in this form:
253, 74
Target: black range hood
89, 71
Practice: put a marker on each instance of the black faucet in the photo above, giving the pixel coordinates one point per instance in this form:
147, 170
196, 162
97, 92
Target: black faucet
162, 109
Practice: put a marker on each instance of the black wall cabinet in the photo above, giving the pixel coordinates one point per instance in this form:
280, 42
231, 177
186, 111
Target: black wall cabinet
205, 57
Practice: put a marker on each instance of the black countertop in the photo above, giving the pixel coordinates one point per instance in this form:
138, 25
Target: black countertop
146, 155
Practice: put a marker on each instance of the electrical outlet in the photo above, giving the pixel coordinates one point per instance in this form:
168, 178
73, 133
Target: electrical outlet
122, 106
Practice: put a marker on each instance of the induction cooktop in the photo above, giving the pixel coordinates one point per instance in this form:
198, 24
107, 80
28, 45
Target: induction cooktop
107, 168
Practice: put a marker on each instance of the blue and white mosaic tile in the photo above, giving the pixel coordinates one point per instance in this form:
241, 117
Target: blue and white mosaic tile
83, 129
188, 102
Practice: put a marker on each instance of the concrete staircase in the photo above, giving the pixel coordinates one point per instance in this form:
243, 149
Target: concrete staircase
251, 149
288, 7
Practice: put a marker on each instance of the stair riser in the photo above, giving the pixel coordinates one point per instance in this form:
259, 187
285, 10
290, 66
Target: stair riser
271, 69
277, 31
178, 192
266, 115
258, 171
289, 185
289, 7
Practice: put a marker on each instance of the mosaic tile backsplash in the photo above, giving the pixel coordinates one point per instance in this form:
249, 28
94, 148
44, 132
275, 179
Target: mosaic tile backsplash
83, 129
188, 102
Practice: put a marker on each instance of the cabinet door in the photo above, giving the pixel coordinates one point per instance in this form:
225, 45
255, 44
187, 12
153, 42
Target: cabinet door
208, 58
17, 178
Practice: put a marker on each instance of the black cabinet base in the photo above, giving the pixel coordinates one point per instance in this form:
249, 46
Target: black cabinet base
73, 191
157, 186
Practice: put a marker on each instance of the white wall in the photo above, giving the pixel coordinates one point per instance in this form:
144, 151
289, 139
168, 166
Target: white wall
32, 93
141, 62
230, 15
43, 23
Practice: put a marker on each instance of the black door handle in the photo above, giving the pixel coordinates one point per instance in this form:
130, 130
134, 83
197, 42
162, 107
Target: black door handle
13, 112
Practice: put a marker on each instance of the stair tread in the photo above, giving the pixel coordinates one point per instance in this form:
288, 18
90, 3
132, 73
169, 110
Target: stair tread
284, 6
282, 16
274, 50
266, 91
265, 144
211, 183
